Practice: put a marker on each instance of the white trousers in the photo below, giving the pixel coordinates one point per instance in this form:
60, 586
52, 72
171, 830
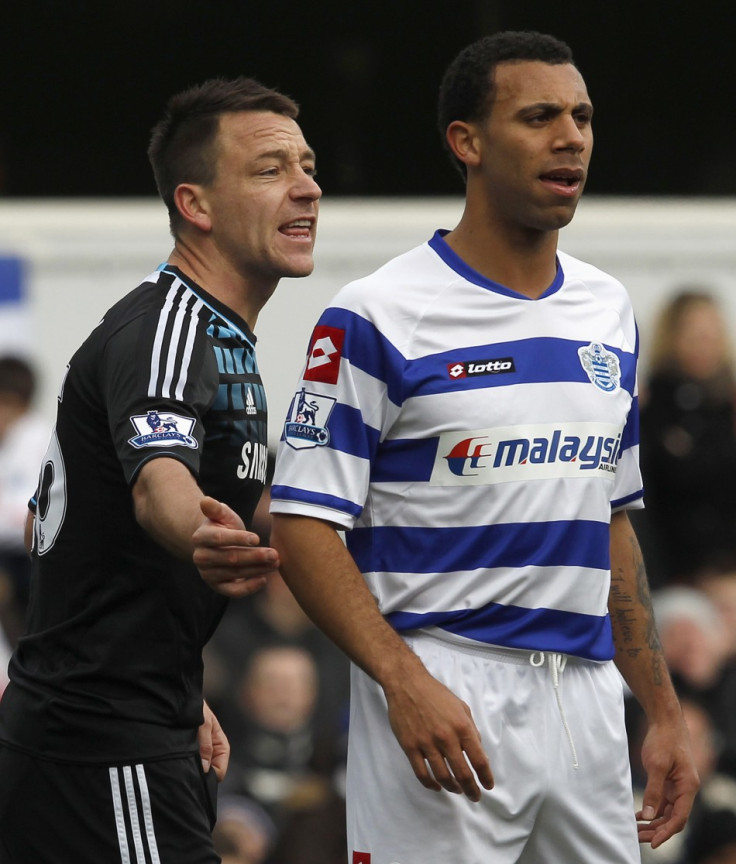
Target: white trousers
557, 745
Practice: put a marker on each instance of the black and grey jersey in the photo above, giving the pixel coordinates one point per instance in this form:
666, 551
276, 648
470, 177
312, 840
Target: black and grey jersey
110, 667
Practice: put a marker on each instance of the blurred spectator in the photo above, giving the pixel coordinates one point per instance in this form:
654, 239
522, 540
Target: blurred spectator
688, 442
720, 588
24, 437
280, 688
282, 759
272, 736
714, 840
696, 645
244, 833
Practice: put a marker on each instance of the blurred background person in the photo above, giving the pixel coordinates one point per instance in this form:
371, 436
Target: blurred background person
244, 833
285, 760
696, 647
688, 442
24, 437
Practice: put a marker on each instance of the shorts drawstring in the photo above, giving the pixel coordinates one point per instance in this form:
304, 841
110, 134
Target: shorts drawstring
557, 663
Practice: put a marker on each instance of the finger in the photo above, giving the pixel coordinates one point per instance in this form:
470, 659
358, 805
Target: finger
204, 738
249, 560
238, 588
479, 761
213, 535
444, 775
652, 804
672, 823
422, 772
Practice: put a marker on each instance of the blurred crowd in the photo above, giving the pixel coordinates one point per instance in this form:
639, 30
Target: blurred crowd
281, 689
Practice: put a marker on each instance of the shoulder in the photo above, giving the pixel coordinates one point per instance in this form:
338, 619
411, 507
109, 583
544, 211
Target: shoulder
604, 287
400, 283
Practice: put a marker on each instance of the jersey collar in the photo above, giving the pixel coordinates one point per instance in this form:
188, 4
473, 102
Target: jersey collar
438, 243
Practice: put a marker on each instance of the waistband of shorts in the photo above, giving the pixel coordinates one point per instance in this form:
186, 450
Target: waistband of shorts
517, 656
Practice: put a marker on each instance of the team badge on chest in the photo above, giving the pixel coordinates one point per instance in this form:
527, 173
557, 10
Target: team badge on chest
601, 366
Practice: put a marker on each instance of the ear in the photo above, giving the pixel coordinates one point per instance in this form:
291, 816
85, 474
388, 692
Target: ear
191, 202
463, 141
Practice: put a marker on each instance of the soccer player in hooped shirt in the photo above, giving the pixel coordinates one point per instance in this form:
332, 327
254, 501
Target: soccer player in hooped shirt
107, 751
472, 427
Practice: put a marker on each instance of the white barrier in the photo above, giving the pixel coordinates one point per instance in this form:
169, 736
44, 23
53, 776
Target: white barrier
84, 254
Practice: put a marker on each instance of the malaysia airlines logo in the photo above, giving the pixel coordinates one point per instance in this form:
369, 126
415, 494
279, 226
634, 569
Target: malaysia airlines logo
531, 452
473, 368
325, 353
601, 366
306, 425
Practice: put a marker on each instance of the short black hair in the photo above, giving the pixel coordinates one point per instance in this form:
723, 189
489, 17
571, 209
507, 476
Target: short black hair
17, 378
183, 143
468, 89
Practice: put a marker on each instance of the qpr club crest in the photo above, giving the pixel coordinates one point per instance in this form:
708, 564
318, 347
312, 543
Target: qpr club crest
306, 425
601, 366
163, 430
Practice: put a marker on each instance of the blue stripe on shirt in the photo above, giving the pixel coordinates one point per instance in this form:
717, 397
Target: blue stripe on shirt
366, 348
543, 360
442, 550
317, 499
587, 636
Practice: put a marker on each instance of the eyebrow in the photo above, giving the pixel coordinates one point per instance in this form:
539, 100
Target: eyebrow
555, 107
307, 154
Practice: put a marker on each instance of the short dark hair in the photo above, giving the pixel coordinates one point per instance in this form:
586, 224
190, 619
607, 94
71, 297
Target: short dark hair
17, 378
468, 88
183, 142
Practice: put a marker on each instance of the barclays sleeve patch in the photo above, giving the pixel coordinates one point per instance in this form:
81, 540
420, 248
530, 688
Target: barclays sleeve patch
163, 430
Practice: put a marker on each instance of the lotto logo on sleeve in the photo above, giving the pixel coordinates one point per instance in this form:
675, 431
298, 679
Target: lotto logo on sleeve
361, 858
325, 352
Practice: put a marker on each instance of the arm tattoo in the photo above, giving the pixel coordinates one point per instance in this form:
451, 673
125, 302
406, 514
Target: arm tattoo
631, 613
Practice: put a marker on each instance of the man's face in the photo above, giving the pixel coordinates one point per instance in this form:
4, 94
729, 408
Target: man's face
536, 144
264, 201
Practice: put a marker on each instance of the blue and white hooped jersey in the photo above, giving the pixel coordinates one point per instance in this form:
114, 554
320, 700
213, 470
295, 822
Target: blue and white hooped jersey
473, 443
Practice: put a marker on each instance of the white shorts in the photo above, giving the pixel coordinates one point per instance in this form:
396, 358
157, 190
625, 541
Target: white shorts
562, 790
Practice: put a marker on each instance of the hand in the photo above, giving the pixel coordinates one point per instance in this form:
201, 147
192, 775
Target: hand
227, 555
214, 748
672, 782
438, 734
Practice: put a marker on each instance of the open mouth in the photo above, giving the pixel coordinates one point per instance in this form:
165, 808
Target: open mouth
299, 229
565, 177
564, 183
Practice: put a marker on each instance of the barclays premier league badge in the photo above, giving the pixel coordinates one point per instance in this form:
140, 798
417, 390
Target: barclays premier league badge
306, 425
601, 366
163, 430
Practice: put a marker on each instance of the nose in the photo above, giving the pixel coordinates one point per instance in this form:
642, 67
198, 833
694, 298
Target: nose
306, 187
572, 136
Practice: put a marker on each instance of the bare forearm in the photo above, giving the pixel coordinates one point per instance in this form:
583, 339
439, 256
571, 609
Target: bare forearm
638, 649
325, 580
166, 499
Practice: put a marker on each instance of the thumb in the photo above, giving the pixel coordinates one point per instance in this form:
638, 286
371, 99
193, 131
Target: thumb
213, 509
216, 511
652, 796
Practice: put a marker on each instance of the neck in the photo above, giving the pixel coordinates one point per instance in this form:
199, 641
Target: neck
222, 281
524, 260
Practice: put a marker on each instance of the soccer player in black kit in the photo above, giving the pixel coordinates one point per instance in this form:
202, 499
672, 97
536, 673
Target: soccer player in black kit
107, 749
